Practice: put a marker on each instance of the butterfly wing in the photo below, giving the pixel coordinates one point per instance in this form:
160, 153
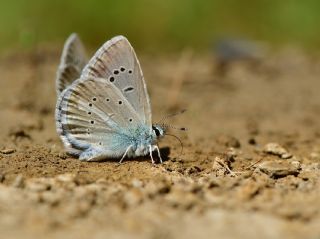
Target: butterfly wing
91, 115
73, 60
117, 62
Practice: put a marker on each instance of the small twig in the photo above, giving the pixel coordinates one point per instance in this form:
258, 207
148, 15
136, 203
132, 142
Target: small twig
253, 164
223, 164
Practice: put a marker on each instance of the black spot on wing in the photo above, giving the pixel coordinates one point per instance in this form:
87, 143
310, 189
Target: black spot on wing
128, 89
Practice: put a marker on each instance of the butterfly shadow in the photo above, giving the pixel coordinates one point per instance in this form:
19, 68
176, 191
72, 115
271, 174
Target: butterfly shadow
165, 152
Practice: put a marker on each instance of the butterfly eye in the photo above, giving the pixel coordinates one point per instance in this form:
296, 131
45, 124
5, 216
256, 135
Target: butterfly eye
157, 132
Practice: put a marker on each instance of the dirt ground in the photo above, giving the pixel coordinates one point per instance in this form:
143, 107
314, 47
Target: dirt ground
250, 166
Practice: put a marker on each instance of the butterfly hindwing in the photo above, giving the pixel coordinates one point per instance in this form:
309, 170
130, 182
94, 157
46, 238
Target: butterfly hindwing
91, 113
73, 60
116, 61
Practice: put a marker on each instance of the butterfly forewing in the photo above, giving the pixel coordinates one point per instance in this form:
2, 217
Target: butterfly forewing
91, 112
73, 60
117, 63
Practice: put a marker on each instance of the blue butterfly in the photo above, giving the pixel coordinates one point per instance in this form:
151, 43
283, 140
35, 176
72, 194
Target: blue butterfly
103, 108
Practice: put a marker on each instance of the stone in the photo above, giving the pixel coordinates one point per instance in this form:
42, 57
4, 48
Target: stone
136, 183
62, 155
277, 149
7, 151
52, 198
38, 185
18, 182
66, 178
278, 168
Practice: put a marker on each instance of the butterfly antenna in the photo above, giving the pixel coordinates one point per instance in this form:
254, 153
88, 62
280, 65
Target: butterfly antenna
166, 126
171, 115
172, 135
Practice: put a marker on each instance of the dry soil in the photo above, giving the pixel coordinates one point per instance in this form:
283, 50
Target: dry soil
250, 166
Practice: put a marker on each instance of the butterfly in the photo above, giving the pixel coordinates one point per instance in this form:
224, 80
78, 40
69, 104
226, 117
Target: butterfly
103, 108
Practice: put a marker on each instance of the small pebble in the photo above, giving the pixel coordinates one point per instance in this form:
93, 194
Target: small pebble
52, 198
231, 153
279, 168
277, 149
18, 182
102, 181
7, 151
192, 170
137, 183
66, 178
62, 155
296, 164
219, 170
37, 185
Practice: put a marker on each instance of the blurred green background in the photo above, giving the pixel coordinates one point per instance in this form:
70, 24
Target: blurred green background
159, 24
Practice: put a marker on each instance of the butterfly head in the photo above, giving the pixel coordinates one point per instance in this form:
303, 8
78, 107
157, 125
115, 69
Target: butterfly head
158, 130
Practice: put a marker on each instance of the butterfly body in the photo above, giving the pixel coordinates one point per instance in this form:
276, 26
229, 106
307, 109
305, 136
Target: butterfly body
131, 142
105, 111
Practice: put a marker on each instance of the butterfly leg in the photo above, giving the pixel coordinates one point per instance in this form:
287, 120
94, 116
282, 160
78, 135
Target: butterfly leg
150, 151
125, 153
158, 150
